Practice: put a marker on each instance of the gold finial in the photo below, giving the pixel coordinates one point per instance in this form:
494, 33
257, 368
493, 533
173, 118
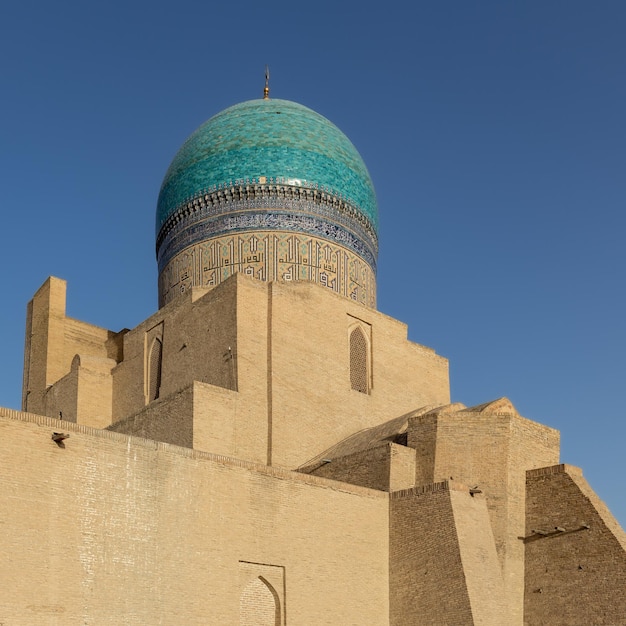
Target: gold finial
266, 90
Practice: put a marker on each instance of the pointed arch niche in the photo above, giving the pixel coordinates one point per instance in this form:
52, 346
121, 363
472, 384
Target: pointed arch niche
262, 594
359, 339
153, 362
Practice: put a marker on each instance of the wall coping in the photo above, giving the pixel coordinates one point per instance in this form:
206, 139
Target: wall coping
128, 440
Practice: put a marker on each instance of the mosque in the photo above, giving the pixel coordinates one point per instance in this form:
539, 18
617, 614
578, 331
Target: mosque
268, 448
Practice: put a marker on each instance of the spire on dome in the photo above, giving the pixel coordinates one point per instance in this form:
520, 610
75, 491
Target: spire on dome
266, 90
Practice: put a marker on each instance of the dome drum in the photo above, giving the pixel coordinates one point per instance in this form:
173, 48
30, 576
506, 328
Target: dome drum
254, 206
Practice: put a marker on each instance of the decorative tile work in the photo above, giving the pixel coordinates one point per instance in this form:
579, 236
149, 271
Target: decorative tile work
265, 140
269, 255
261, 208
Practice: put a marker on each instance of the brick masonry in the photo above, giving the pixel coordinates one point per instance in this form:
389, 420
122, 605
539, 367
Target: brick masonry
116, 530
575, 553
175, 498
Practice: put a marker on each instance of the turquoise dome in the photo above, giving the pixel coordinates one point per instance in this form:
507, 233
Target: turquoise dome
273, 140
271, 189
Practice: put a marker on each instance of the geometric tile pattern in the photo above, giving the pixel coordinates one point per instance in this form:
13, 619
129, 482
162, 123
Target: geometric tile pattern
269, 256
358, 361
277, 206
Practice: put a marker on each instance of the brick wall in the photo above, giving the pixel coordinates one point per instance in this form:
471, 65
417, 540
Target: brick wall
492, 447
119, 530
574, 575
52, 342
169, 420
312, 403
283, 348
388, 467
444, 564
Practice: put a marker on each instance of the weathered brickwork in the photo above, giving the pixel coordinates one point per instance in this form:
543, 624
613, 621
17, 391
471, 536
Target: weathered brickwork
388, 467
168, 420
314, 349
259, 605
262, 594
118, 530
179, 503
52, 376
438, 573
575, 553
252, 338
491, 447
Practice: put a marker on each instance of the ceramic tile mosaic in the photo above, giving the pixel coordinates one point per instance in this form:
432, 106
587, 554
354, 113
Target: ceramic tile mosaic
267, 139
269, 255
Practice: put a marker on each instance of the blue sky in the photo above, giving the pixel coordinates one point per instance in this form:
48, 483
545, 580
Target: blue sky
494, 132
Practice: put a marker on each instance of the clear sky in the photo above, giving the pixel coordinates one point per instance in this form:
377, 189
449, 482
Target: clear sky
494, 132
